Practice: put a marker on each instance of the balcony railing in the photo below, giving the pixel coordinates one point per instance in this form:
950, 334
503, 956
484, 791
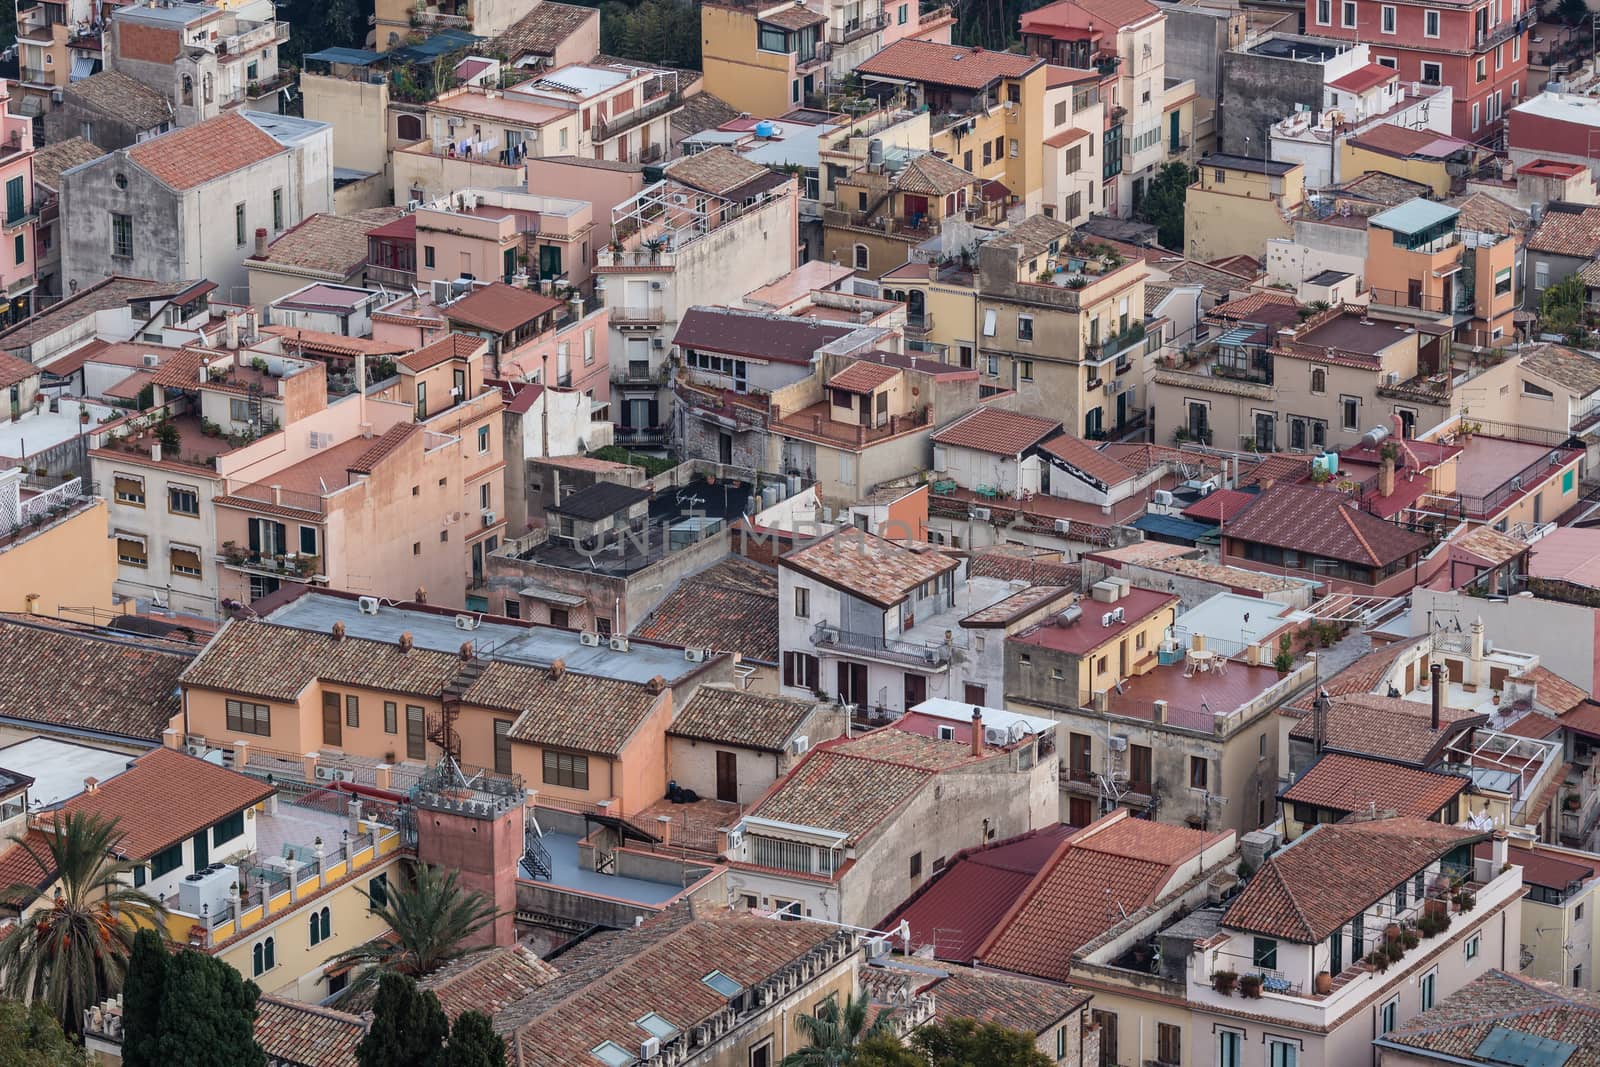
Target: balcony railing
922, 323
828, 635
605, 129
1486, 39
637, 316
1458, 303
856, 29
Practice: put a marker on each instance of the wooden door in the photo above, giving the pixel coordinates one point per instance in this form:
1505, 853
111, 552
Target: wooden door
332, 721
727, 776
916, 689
973, 694
1080, 811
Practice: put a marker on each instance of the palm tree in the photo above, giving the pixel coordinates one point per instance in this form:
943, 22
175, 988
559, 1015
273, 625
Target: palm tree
835, 1034
430, 920
72, 952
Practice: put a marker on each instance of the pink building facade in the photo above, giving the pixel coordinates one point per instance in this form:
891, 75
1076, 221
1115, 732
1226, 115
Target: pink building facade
18, 225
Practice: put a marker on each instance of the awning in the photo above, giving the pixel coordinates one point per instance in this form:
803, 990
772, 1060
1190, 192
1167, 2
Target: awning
551, 596
132, 538
83, 67
1239, 335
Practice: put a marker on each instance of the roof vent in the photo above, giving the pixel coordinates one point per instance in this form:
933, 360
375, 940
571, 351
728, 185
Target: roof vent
655, 685
338, 631
405, 641
557, 669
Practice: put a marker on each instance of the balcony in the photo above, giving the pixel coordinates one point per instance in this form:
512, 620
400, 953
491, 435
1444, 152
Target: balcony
607, 128
856, 29
877, 646
636, 316
1484, 40
919, 323
1460, 302
294, 566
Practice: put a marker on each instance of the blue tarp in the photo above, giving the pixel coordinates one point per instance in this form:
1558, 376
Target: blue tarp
1173, 529
440, 44
353, 57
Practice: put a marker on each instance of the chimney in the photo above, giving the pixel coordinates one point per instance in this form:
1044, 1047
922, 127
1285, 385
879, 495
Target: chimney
155, 452
1386, 476
1477, 644
977, 730
1158, 712
1399, 426
91, 784
1437, 670
421, 596
405, 641
466, 652
557, 669
1499, 852
655, 685
277, 494
338, 631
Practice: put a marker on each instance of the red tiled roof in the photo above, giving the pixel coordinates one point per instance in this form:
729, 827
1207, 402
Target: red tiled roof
731, 606
14, 370
1278, 469
738, 332
1267, 306
1293, 896
1101, 874
1354, 784
20, 865
946, 64
869, 566
745, 720
862, 377
960, 907
1067, 136
307, 1035
1386, 728
1363, 78
1324, 523
1104, 14
1004, 433
190, 157
1585, 719
1551, 690
1568, 233
450, 346
1496, 1001
1224, 504
1087, 633
381, 447
1080, 455
500, 307
488, 981
1022, 563
167, 796
1392, 140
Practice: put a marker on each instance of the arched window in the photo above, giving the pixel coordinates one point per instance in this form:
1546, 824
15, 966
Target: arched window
206, 83
1319, 380
861, 257
263, 957
327, 924
316, 928
408, 128
188, 90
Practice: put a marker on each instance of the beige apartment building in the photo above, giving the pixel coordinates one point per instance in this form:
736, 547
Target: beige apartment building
1239, 204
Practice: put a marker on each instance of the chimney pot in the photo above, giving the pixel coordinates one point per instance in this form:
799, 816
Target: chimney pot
1158, 712
557, 669
977, 730
655, 685
1437, 670
421, 596
338, 631
261, 241
90, 784
405, 641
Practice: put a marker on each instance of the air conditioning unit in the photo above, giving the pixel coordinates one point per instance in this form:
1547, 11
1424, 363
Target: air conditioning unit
150, 359
1063, 526
490, 518
619, 644
455, 122
1392, 378
466, 622
1107, 618
735, 838
1117, 615
657, 343
650, 1046
441, 291
589, 638
1163, 498
877, 947
981, 514
1118, 742
334, 774
800, 745
1516, 481
368, 605
413, 205
655, 287
994, 735
695, 655
1113, 387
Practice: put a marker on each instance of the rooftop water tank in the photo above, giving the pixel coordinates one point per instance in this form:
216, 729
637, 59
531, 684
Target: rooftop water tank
764, 128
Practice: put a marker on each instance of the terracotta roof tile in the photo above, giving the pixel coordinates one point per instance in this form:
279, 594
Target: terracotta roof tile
1552, 691
52, 159
736, 332
746, 720
1104, 13
1261, 307
294, 1034
500, 307
1392, 140
584, 713
14, 370
1572, 368
1017, 605
112, 293
862, 377
386, 444
90, 680
297, 338
931, 175
488, 981
195, 155
1082, 456
838, 792
719, 171
1354, 784
450, 346
1386, 728
1567, 232
1104, 872
114, 94
1291, 896
1003, 433
869, 566
946, 64
1021, 1004
541, 31
1496, 1001
1222, 505
332, 244
20, 862
1324, 523
1020, 563
167, 796
731, 606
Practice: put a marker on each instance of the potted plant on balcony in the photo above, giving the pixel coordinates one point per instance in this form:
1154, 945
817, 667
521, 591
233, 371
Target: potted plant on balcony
1323, 983
1395, 950
1378, 960
1466, 900
1408, 938
1250, 986
1224, 982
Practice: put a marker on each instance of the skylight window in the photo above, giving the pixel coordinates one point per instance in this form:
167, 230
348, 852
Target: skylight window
613, 1055
722, 984
656, 1026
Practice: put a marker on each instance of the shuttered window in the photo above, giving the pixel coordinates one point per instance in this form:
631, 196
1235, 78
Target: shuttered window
129, 490
131, 551
186, 562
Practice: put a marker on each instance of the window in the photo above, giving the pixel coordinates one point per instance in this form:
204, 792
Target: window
1476, 117
1400, 897
1319, 380
862, 258
1169, 1043
416, 732
166, 861
1387, 19
1432, 74
1024, 370
903, 14
1061, 1042
1473, 946
502, 746
1499, 57
1347, 14
1482, 68
352, 710
1429, 986
1230, 1048
1350, 409
122, 236
378, 892
19, 249
1387, 61
1389, 1015
227, 829
566, 769
183, 500
391, 715
321, 924
802, 602
1264, 953
238, 224
277, 210
1541, 276
1024, 327
263, 957
1430, 24
1516, 53
1281, 1053
916, 865
1197, 772
1324, 12
800, 670
761, 1055
427, 255
184, 561
247, 718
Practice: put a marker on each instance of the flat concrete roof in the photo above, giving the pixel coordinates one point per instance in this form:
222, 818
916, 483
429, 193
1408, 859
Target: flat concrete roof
532, 645
1234, 619
59, 767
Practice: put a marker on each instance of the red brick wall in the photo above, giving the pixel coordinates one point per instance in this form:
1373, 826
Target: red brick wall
149, 43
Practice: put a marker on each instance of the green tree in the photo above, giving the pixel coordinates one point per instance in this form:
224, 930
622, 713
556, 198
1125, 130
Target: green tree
1572, 12
1561, 309
885, 1050
31, 1037
208, 1014
835, 1034
473, 1043
1162, 205
967, 1043
408, 1027
141, 1000
72, 952
430, 920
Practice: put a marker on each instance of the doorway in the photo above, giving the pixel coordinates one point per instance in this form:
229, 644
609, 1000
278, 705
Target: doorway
332, 722
853, 683
727, 777
916, 689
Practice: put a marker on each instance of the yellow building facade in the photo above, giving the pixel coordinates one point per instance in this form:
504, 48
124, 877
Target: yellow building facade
1239, 204
55, 552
